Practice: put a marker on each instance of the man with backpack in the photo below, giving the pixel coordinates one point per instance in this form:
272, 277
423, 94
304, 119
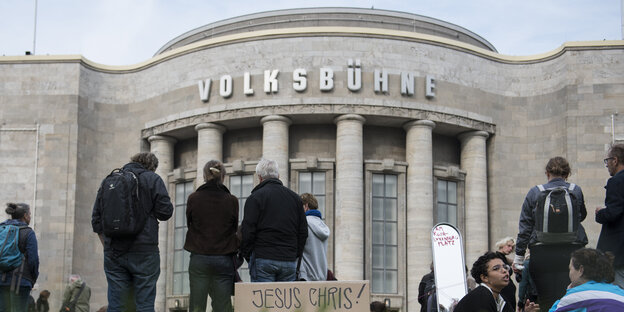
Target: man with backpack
611, 216
128, 206
550, 224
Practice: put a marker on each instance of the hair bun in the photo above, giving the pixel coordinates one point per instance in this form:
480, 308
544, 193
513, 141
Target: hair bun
11, 208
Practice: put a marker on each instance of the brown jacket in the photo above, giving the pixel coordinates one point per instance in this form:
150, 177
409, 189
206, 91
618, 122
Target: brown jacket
212, 219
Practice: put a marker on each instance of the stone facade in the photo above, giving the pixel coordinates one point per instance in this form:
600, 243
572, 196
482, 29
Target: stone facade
492, 125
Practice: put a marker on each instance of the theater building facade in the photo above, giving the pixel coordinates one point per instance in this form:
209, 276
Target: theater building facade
394, 121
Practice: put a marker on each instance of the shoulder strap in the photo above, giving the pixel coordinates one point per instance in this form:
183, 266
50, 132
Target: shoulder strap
72, 306
541, 187
21, 242
571, 186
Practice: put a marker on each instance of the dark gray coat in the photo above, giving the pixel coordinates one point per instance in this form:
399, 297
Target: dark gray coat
527, 234
612, 220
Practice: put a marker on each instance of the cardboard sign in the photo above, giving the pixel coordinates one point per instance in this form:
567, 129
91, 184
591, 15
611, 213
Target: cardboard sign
448, 265
303, 296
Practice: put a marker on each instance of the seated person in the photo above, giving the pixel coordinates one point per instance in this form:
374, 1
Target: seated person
591, 275
492, 275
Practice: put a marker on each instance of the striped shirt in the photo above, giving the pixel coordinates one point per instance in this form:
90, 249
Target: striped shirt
591, 297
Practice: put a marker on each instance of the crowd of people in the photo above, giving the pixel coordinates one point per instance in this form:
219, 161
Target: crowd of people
554, 270
283, 237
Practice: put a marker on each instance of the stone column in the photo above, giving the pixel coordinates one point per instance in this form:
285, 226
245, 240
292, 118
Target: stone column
349, 211
474, 162
419, 156
209, 147
163, 148
275, 142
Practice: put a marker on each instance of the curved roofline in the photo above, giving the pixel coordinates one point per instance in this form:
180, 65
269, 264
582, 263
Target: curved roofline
325, 31
351, 10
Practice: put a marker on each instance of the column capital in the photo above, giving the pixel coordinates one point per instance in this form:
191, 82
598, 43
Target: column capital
469, 134
419, 123
209, 125
354, 117
275, 118
161, 138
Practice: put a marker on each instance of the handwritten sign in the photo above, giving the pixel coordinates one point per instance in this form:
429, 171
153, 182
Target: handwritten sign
352, 296
448, 265
442, 238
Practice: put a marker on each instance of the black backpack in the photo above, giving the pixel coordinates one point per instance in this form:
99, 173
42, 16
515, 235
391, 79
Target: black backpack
121, 209
557, 215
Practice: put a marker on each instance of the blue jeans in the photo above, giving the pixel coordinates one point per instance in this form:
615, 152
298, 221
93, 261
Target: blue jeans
267, 270
214, 276
11, 302
133, 272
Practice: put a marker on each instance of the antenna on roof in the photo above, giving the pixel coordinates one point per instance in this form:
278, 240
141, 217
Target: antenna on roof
35, 32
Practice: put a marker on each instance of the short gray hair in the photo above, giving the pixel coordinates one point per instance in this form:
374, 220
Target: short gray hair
267, 169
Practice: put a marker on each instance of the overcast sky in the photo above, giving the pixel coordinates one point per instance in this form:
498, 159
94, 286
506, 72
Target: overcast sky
124, 32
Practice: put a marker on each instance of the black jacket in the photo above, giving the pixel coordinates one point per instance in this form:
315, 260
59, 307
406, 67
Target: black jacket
212, 220
612, 220
274, 224
425, 288
155, 200
480, 300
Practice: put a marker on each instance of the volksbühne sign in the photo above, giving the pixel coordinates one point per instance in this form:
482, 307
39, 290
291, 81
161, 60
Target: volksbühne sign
343, 296
326, 82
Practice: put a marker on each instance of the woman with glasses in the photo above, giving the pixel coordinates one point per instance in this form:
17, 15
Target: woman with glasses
506, 247
492, 275
591, 274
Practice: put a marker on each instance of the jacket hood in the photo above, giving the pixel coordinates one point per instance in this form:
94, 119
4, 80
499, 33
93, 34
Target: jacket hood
77, 283
318, 227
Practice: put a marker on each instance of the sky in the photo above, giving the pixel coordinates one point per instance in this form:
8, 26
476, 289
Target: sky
126, 32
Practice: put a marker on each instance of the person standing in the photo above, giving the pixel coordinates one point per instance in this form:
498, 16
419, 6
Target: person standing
426, 288
611, 216
42, 302
274, 228
132, 263
549, 261
15, 286
212, 220
505, 247
77, 295
314, 260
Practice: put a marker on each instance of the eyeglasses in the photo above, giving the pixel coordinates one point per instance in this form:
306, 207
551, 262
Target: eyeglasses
606, 160
498, 267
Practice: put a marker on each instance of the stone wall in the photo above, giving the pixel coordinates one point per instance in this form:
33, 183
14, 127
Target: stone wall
92, 120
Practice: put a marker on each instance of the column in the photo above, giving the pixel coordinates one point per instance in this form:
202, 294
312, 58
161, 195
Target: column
349, 215
209, 147
275, 142
163, 148
474, 162
419, 156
